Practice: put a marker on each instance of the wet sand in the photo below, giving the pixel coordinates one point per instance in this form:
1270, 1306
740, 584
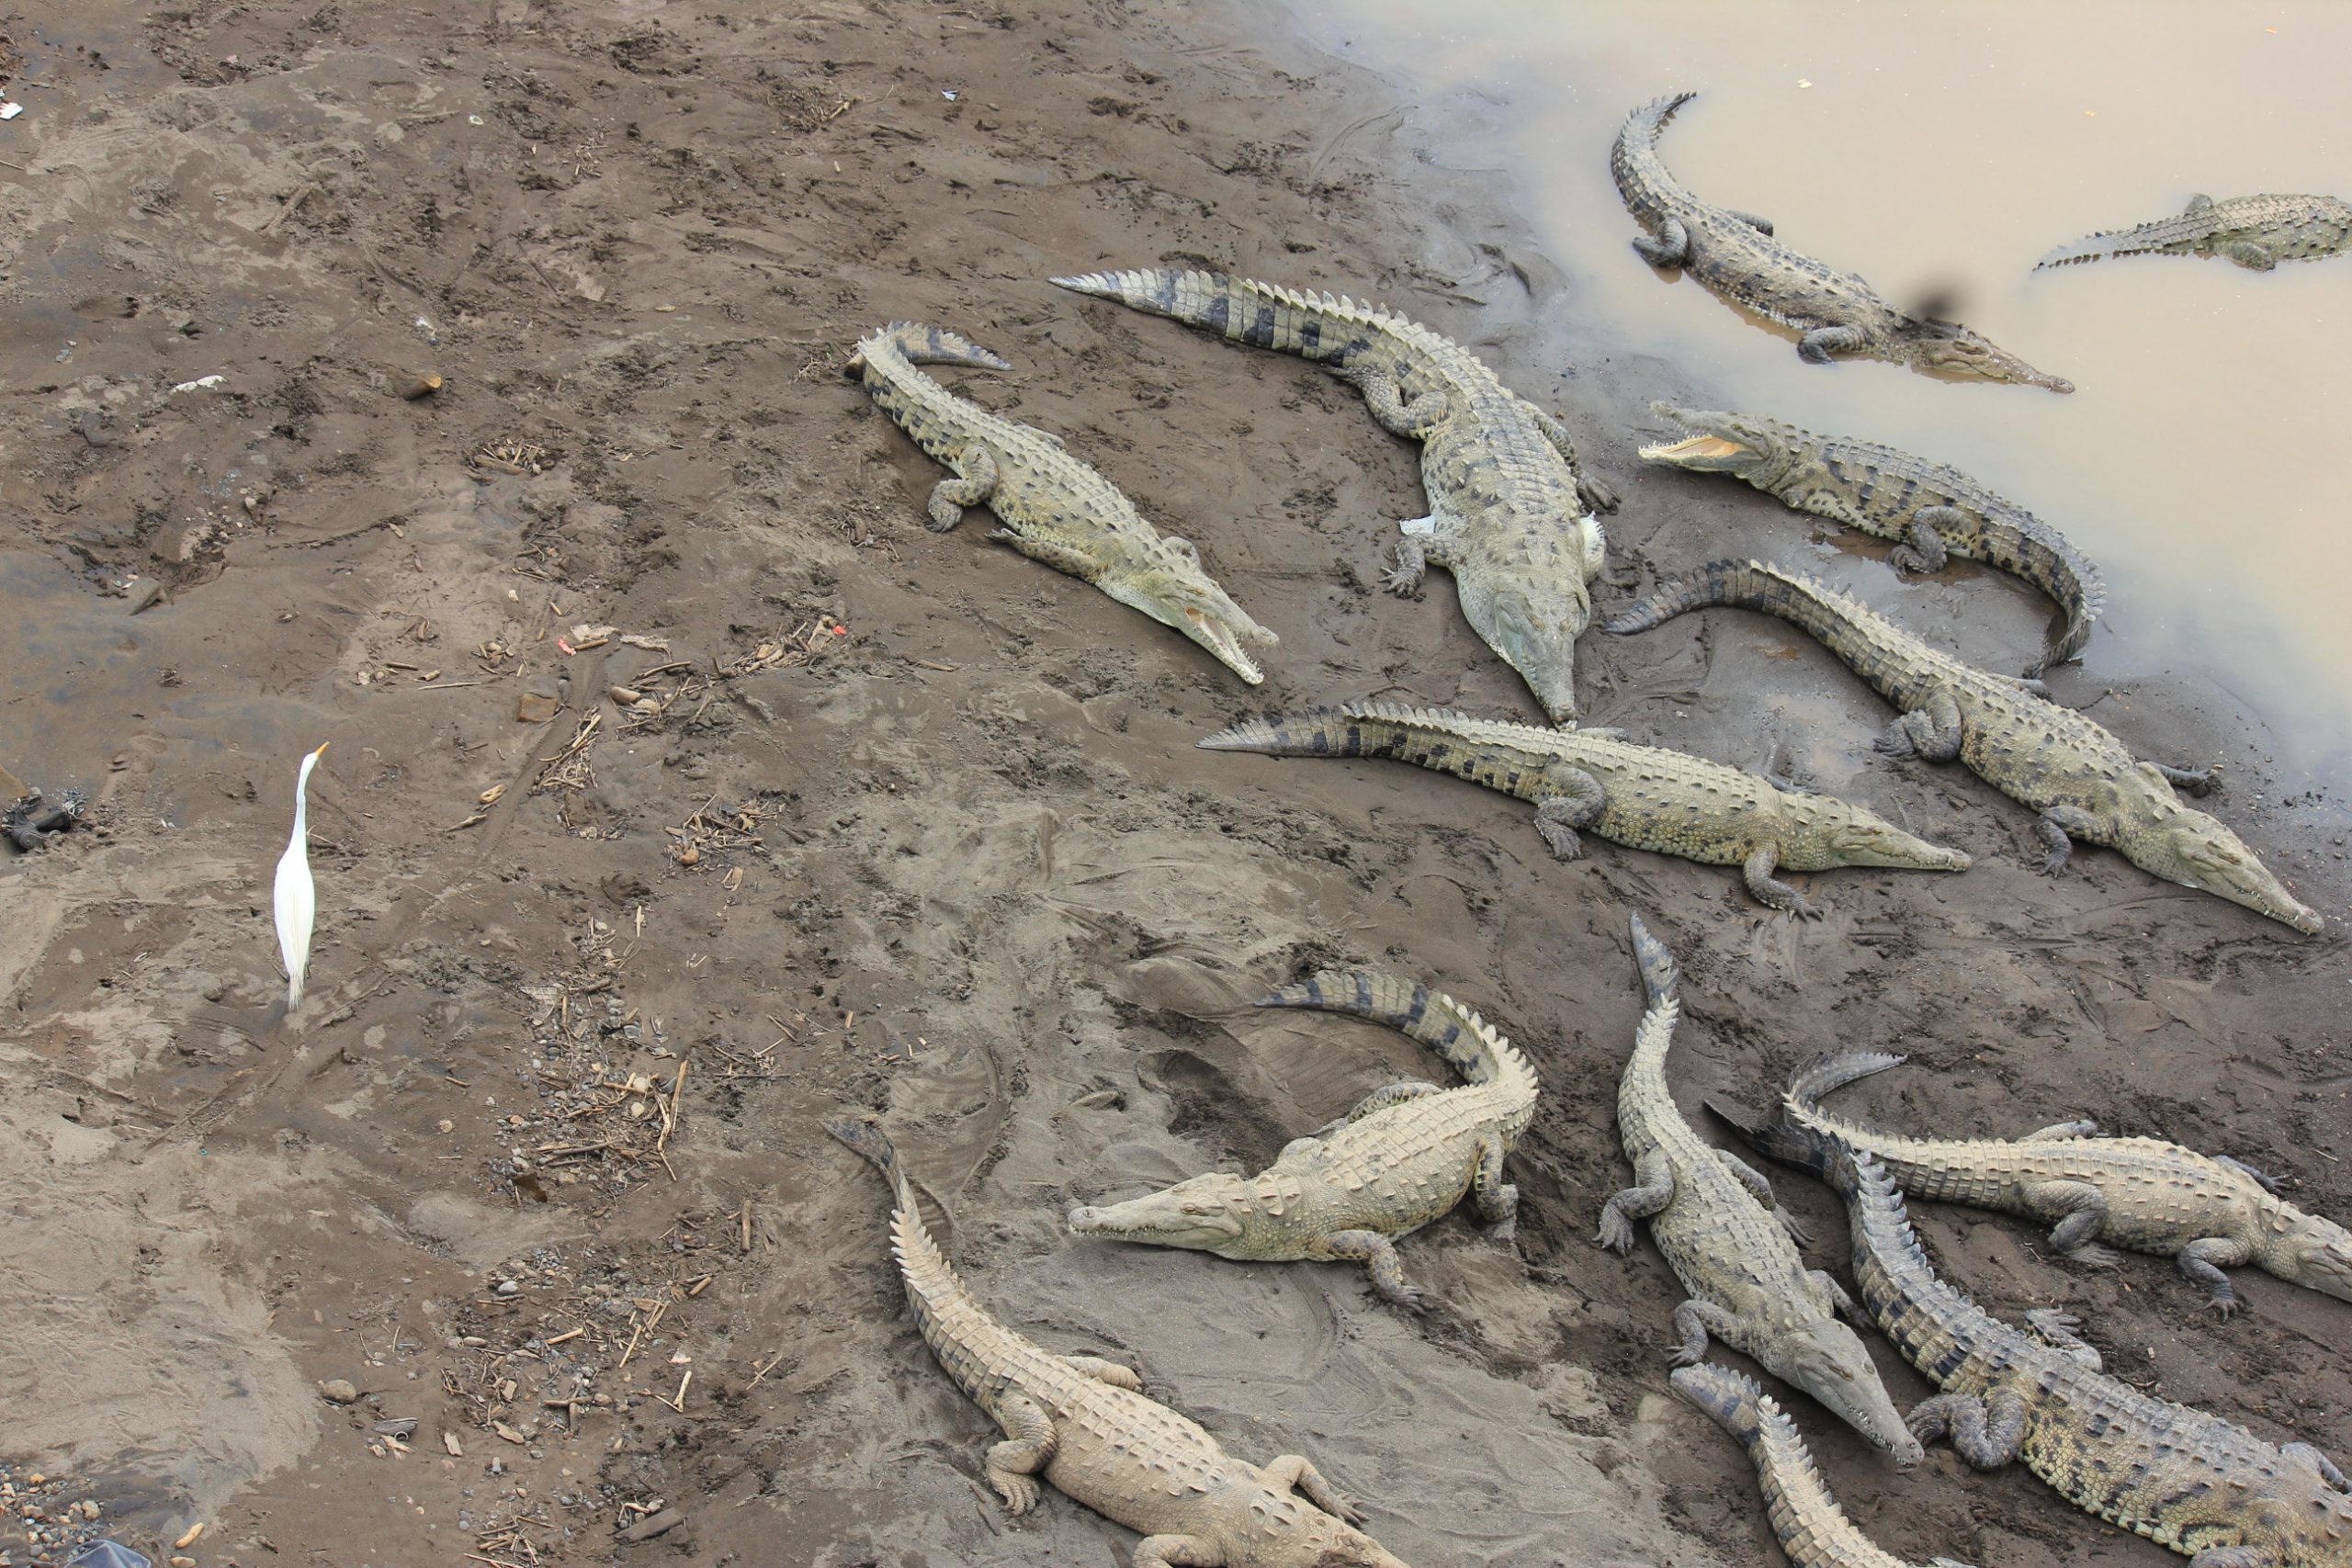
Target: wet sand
960, 863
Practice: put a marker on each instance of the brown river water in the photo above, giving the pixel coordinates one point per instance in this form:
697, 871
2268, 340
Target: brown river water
1939, 151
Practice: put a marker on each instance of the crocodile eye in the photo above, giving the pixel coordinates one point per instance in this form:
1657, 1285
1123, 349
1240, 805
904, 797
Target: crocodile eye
1200, 1208
1182, 546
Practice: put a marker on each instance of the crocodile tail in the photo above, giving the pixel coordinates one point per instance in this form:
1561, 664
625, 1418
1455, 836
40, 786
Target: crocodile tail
1798, 1143
1264, 315
1717, 582
1634, 161
1875, 649
2078, 585
1661, 980
1642, 127
1735, 1401
1826, 1074
1468, 1043
2173, 236
952, 1324
918, 342
1317, 732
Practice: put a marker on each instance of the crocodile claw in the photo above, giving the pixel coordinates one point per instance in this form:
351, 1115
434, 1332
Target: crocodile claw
1019, 1492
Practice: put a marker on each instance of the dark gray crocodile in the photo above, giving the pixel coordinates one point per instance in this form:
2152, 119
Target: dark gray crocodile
1812, 1529
2208, 1212
1511, 516
1734, 255
1054, 508
1404, 1156
2203, 1487
1713, 1217
1085, 1424
1598, 782
1930, 509
2081, 780
2257, 231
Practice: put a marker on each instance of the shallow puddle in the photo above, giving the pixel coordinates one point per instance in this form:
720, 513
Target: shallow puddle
1939, 151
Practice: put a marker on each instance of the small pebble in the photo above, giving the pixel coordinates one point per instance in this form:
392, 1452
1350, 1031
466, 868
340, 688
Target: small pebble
339, 1391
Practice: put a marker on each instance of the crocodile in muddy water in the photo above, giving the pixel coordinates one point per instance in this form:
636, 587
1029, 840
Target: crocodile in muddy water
1713, 1217
2255, 231
1930, 510
1054, 508
2207, 1211
1598, 782
2205, 1487
1734, 255
1402, 1158
1512, 513
2081, 780
1085, 1424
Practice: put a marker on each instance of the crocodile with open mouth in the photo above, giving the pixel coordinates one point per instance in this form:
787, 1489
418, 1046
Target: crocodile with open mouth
1930, 509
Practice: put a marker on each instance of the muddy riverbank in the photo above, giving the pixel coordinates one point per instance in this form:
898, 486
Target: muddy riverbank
886, 818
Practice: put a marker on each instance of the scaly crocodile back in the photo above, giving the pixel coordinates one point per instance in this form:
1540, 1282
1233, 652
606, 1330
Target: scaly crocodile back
1812, 1529
2182, 1477
1465, 1041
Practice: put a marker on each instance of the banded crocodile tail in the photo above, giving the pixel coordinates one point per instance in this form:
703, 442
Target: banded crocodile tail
918, 342
1826, 1075
1735, 1401
1790, 1141
1265, 315
2074, 582
1468, 1043
1873, 646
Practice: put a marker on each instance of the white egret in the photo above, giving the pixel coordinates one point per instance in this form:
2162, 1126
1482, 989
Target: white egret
296, 898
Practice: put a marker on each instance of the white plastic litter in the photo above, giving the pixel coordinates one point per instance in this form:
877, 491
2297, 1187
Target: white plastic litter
201, 384
10, 112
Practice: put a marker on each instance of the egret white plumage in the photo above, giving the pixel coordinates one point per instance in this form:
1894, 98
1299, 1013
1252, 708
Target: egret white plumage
296, 898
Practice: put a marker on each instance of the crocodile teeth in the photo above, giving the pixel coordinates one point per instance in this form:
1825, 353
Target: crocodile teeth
1696, 446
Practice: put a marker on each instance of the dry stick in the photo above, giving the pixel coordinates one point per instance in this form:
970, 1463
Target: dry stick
669, 1110
764, 1371
679, 1404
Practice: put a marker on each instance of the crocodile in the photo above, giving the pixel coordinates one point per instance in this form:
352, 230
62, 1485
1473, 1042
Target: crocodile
1736, 256
1713, 1216
2255, 231
1512, 513
1598, 782
1085, 1424
2208, 1212
2205, 1487
2079, 777
1812, 1529
1402, 1158
1930, 510
1054, 508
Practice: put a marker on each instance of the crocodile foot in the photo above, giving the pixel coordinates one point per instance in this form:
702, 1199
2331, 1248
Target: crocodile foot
2096, 1255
